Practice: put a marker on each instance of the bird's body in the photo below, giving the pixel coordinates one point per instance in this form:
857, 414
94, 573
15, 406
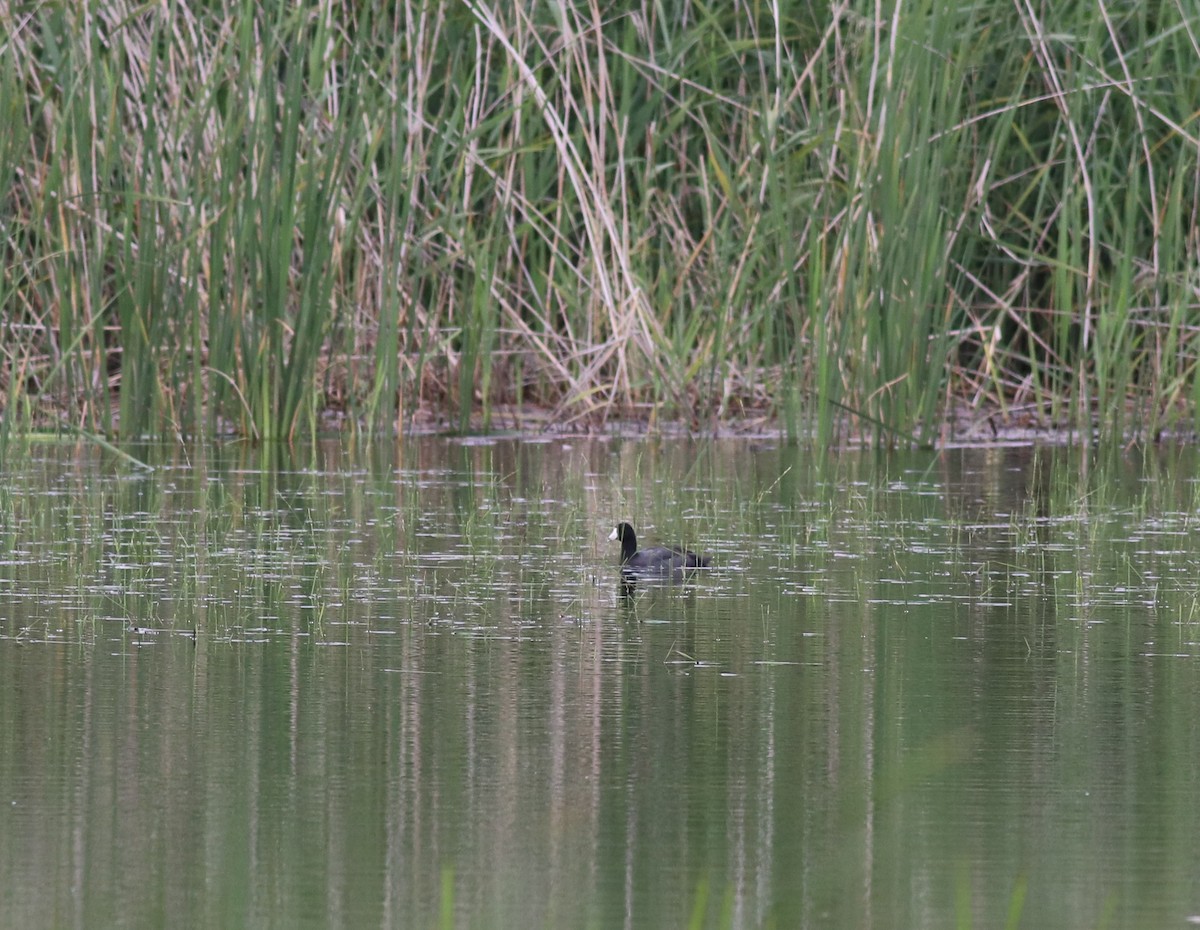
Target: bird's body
656, 559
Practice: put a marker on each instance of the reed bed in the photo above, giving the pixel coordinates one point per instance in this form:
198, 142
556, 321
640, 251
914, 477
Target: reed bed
845, 219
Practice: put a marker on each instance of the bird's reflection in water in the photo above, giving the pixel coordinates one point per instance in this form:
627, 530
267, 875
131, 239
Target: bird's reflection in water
631, 583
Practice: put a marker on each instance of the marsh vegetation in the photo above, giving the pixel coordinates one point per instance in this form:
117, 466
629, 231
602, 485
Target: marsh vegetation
837, 218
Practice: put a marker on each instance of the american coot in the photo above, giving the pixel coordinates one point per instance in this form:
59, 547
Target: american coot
656, 558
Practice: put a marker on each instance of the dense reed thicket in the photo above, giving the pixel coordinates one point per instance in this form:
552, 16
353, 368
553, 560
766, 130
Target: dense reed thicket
844, 217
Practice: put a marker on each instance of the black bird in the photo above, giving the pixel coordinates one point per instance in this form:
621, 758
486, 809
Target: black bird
655, 559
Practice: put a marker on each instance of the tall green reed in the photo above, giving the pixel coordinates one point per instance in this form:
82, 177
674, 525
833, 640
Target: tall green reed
849, 218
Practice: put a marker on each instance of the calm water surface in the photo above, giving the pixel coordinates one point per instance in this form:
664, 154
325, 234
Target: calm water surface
406, 688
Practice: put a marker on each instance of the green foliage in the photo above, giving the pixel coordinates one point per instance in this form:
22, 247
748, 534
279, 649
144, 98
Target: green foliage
849, 218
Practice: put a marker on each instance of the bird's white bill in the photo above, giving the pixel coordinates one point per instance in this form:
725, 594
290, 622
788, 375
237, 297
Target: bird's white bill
612, 535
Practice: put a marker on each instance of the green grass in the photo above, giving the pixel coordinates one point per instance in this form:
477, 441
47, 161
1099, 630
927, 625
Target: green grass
851, 221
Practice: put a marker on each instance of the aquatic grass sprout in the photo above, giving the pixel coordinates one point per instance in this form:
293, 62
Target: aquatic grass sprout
848, 222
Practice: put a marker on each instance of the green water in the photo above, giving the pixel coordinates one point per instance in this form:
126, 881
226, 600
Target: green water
405, 688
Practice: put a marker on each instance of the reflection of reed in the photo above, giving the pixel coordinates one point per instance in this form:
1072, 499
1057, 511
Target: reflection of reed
349, 683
